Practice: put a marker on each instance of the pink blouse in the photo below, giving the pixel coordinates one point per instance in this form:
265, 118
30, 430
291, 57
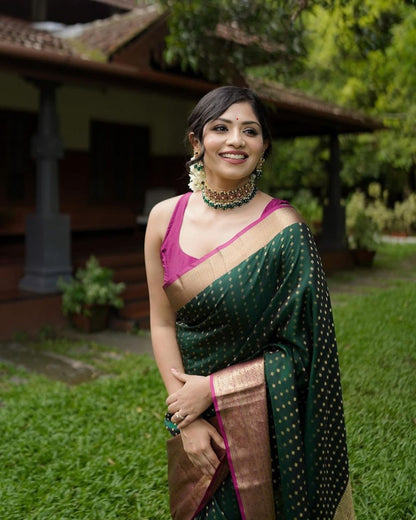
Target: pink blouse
175, 261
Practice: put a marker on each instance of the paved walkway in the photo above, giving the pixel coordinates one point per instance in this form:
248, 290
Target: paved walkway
137, 344
65, 368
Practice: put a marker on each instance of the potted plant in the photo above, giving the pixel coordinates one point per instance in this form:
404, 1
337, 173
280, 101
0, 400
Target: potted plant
88, 297
362, 230
362, 239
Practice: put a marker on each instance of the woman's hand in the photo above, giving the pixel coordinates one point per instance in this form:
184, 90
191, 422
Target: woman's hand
197, 442
190, 401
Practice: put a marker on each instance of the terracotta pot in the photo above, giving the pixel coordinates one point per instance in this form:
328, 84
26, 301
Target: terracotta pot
398, 234
363, 257
98, 319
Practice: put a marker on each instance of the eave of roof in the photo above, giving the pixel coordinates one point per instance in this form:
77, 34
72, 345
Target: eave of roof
294, 113
50, 66
304, 110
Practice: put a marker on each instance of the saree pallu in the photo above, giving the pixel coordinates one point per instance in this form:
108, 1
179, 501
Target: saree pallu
256, 316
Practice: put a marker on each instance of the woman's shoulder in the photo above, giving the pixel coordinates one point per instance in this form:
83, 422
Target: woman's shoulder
165, 207
161, 213
288, 215
283, 211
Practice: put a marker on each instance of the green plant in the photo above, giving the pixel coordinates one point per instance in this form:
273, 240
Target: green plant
362, 231
309, 207
405, 215
91, 286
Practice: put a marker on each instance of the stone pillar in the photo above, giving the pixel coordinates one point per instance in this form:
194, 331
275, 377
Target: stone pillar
48, 233
333, 225
39, 10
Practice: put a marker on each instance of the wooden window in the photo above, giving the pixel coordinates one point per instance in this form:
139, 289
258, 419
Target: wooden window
17, 168
119, 162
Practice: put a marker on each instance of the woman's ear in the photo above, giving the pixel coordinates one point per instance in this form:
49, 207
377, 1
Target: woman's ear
196, 145
266, 145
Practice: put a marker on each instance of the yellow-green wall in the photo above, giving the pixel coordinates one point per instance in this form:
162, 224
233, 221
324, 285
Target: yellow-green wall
77, 106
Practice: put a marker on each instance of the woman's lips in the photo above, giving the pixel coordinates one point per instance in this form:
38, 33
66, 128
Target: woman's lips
234, 157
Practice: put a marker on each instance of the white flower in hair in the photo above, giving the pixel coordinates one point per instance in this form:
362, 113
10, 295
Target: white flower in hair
196, 175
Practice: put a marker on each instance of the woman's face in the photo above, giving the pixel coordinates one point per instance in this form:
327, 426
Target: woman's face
233, 146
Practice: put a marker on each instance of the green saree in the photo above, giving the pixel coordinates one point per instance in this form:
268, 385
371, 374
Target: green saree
256, 316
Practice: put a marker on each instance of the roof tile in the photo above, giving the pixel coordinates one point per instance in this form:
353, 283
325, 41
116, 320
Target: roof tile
109, 34
21, 32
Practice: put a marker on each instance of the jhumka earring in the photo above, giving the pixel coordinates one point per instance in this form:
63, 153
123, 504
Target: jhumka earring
259, 167
196, 174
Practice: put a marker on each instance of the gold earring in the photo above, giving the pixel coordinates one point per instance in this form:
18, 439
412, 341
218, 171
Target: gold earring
259, 167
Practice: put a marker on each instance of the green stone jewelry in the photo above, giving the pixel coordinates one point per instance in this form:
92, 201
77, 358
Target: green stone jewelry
229, 199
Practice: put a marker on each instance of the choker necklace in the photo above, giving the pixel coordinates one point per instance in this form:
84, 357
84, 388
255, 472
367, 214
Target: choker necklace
229, 199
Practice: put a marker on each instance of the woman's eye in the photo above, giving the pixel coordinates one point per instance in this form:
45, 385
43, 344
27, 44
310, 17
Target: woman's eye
220, 128
250, 131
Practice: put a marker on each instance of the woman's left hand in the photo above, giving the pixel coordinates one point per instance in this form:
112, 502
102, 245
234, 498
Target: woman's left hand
190, 401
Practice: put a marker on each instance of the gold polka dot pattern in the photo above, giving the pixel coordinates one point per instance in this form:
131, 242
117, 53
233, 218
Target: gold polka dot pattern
275, 303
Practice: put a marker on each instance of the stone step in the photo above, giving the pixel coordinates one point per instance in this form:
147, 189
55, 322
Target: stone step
10, 275
129, 274
134, 309
135, 291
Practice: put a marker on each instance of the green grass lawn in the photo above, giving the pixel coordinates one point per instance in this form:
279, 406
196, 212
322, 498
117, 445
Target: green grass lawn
377, 346
97, 450
94, 451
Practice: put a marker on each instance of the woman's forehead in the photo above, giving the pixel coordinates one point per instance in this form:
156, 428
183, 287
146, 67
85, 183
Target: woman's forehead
241, 111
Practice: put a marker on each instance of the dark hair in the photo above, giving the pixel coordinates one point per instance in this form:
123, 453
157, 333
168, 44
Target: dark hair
216, 102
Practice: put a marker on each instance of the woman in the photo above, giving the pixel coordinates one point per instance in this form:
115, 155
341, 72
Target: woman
243, 335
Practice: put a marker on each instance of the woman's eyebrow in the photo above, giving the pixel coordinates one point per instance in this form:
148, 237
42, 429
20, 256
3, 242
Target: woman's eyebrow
242, 122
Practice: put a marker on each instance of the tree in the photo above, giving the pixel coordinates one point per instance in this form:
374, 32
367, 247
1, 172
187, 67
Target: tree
219, 37
360, 54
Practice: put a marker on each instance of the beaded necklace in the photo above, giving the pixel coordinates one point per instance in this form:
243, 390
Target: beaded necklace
229, 199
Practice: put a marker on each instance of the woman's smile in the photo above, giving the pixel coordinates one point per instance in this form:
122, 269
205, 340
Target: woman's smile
234, 157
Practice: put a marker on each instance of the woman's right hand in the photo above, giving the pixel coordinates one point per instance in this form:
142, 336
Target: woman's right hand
197, 440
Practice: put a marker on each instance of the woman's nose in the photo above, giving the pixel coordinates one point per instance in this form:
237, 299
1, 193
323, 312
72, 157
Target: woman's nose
235, 137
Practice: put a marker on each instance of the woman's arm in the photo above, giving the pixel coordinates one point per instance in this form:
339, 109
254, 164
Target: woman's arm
196, 437
162, 316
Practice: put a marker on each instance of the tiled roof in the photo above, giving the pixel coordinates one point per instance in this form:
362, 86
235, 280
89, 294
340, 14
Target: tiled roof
20, 32
283, 96
109, 34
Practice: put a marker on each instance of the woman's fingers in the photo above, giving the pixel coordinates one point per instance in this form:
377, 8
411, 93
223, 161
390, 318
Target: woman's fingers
196, 440
181, 376
216, 437
206, 461
186, 420
178, 417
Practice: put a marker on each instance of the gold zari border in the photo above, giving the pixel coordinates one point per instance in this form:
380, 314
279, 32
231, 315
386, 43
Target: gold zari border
241, 405
194, 281
345, 509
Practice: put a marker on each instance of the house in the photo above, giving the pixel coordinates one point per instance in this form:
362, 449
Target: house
92, 118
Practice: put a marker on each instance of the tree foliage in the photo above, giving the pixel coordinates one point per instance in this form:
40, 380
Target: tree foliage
260, 31
360, 54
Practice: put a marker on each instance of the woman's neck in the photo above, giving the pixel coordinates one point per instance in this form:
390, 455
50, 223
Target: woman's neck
231, 198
